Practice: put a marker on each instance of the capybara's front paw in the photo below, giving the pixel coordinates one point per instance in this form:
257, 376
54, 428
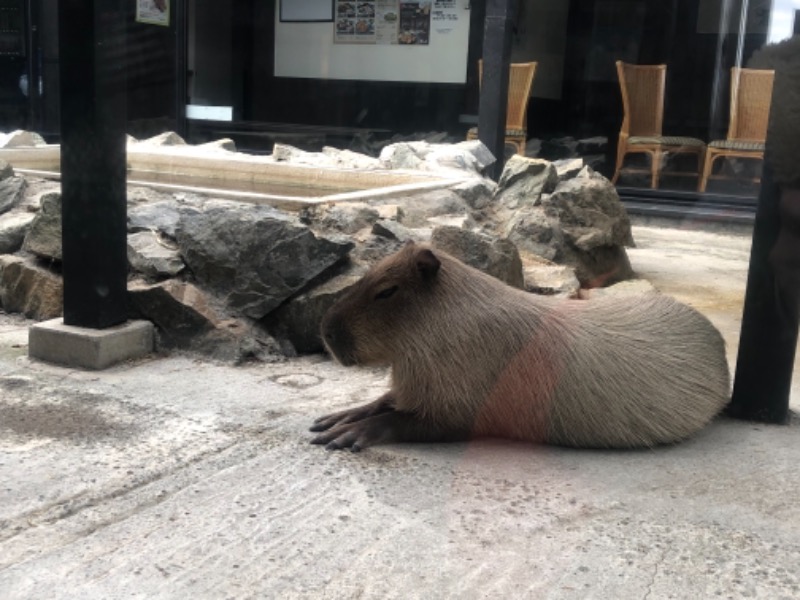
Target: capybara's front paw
379, 406
355, 435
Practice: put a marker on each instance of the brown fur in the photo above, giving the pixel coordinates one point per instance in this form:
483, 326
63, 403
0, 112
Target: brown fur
471, 356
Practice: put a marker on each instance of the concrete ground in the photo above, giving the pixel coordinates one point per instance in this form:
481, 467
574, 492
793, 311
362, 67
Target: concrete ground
180, 478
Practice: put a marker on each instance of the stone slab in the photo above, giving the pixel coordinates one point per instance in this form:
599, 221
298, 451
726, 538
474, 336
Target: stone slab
53, 341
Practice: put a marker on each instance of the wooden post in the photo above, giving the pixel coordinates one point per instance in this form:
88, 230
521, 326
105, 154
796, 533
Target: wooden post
93, 176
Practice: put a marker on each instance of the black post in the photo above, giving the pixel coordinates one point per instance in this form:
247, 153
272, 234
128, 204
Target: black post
494, 87
770, 321
181, 25
93, 118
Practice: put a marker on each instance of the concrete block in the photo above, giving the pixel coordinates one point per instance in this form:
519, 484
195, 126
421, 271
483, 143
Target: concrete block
54, 342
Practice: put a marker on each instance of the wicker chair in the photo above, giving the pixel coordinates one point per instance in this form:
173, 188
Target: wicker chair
520, 81
751, 93
642, 88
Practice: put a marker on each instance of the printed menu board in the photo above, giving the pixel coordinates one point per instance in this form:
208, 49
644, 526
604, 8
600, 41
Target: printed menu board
389, 21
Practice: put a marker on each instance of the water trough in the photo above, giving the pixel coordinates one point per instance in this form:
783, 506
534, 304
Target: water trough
234, 175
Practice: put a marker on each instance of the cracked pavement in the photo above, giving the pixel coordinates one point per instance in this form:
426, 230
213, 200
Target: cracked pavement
176, 477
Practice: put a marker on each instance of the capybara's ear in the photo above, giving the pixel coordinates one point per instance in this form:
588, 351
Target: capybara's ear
427, 264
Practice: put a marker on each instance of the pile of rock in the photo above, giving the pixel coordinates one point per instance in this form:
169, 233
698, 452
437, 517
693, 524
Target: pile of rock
236, 280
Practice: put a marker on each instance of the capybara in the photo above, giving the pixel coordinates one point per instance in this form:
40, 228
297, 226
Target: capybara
471, 356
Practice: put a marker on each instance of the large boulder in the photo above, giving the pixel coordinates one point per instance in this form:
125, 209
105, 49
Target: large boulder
255, 256
187, 319
595, 229
298, 321
12, 190
13, 228
492, 255
30, 289
44, 236
579, 221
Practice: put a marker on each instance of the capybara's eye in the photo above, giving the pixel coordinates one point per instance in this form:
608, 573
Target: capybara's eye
387, 293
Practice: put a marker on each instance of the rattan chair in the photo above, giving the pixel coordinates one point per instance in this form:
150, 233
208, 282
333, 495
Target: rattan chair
520, 81
751, 93
642, 88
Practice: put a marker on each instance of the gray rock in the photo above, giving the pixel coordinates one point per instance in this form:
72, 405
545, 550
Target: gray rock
460, 221
477, 192
152, 256
523, 181
187, 319
30, 289
403, 155
6, 170
347, 159
478, 149
595, 227
13, 227
44, 236
465, 157
12, 191
346, 217
535, 232
376, 247
590, 212
160, 216
256, 256
298, 321
419, 207
168, 138
223, 144
393, 230
497, 257
551, 280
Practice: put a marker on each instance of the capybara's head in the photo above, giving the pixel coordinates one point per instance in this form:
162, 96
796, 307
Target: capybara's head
366, 324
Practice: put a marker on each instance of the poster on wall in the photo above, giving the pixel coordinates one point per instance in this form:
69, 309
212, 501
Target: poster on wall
306, 11
154, 12
387, 21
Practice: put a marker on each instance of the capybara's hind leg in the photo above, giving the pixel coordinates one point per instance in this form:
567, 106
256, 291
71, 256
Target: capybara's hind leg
383, 404
385, 428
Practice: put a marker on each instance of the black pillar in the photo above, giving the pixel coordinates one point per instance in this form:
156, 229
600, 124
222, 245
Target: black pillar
93, 117
180, 15
770, 321
494, 87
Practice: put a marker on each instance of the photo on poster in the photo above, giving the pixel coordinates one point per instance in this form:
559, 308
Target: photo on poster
306, 11
154, 12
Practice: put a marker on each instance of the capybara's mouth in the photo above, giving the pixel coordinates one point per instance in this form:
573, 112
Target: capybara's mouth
339, 342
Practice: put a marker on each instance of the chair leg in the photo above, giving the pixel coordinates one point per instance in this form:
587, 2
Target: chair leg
708, 164
655, 168
621, 151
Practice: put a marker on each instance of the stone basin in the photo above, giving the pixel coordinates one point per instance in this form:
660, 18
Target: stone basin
257, 179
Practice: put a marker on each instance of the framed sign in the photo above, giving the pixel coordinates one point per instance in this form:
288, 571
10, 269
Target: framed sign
155, 12
306, 11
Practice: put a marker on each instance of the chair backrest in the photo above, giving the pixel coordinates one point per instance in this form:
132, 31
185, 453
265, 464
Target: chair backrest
642, 88
520, 82
751, 93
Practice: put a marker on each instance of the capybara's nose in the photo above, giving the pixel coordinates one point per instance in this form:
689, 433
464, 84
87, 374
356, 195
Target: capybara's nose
338, 340
333, 332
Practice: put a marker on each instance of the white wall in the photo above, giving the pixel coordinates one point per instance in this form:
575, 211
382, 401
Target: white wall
307, 50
